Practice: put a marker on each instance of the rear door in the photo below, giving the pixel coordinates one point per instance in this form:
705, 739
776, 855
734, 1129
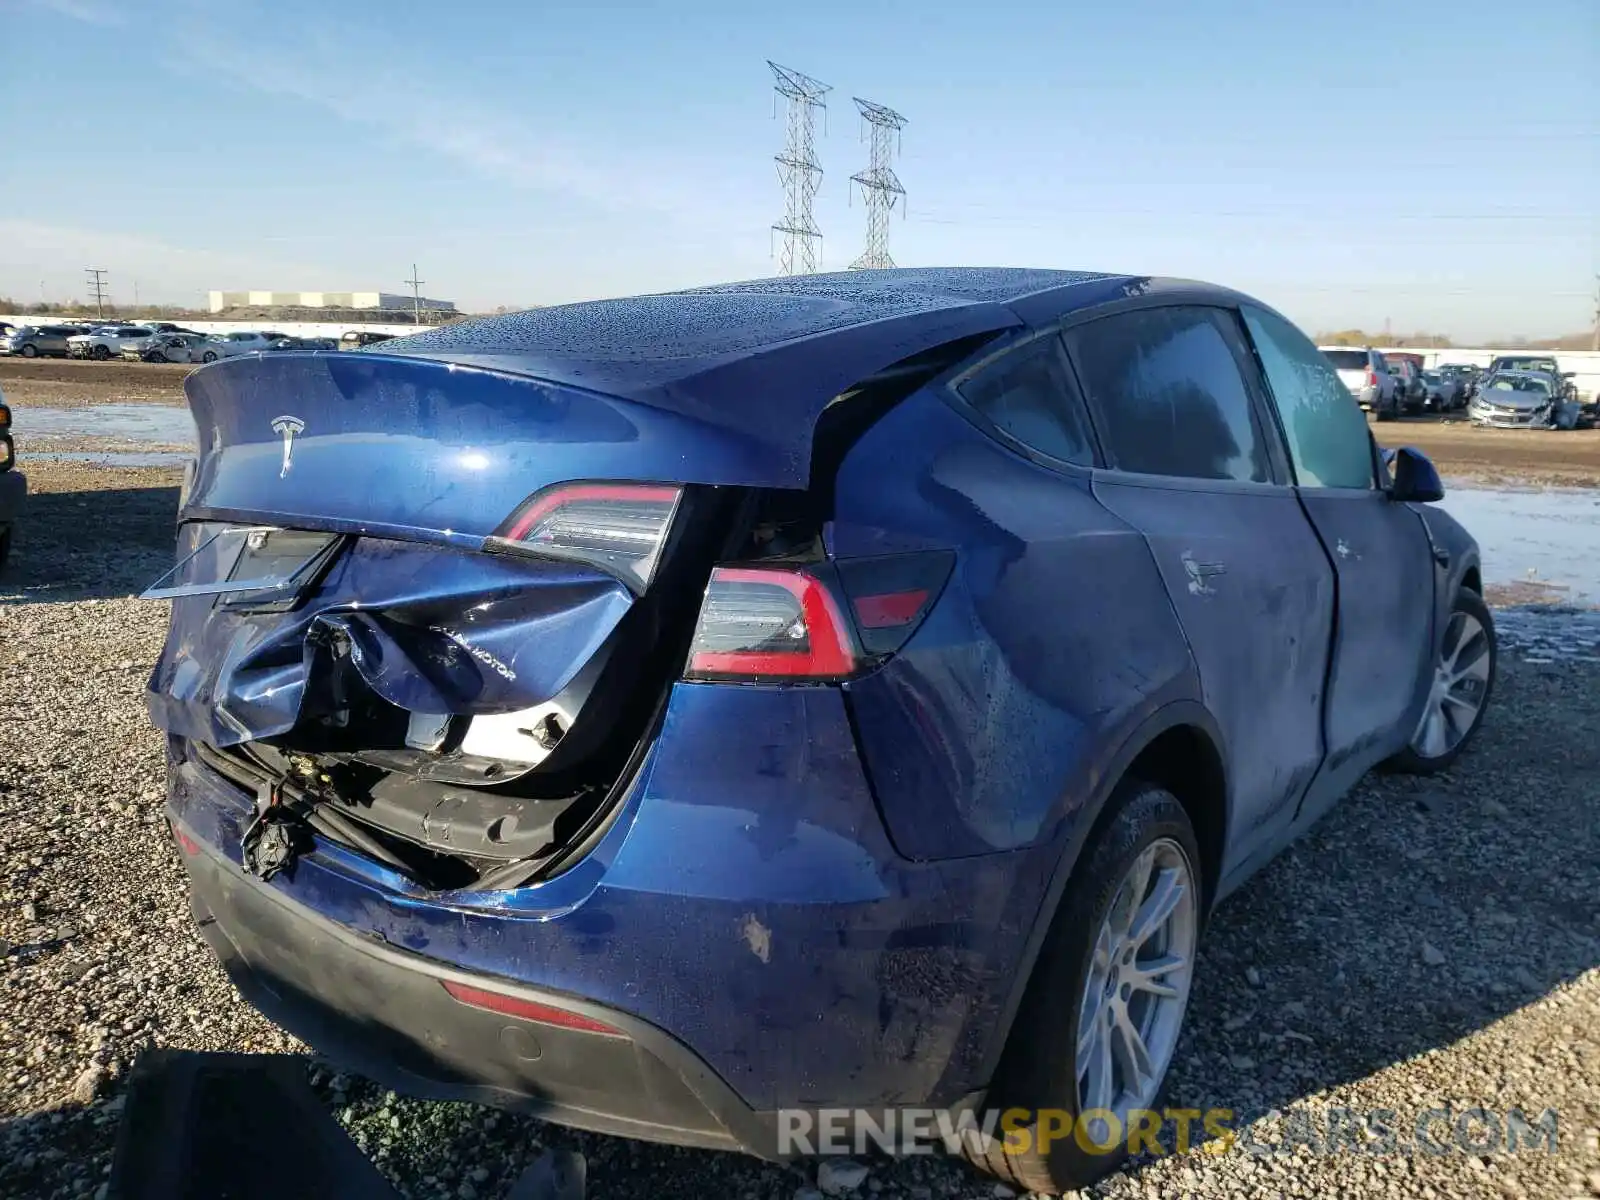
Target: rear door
1380, 551
1197, 470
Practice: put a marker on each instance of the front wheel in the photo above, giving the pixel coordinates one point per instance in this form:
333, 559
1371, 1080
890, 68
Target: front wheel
1464, 668
1100, 1021
101, 353
209, 356
29, 352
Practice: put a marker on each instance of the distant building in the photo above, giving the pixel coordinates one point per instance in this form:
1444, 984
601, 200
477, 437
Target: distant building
222, 301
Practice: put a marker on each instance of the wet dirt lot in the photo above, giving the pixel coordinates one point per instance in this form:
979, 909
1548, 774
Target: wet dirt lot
1431, 944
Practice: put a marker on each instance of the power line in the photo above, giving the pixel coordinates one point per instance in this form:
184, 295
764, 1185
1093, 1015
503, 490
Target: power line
97, 288
880, 186
416, 295
798, 169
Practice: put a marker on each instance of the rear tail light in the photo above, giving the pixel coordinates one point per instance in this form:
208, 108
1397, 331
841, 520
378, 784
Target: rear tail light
619, 527
527, 1010
1372, 377
770, 623
787, 623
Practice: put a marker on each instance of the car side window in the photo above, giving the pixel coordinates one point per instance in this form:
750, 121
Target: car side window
1170, 395
1030, 395
1326, 430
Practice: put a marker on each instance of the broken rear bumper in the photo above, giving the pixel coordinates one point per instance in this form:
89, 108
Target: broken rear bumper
744, 919
387, 1014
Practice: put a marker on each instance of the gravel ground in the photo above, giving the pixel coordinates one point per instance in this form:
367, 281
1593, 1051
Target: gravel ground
1430, 944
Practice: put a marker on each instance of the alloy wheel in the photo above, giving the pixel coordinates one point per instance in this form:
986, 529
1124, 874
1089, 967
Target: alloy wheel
1460, 687
1137, 987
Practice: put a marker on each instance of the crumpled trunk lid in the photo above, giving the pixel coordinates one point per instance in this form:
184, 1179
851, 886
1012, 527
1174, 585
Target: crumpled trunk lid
426, 629
412, 465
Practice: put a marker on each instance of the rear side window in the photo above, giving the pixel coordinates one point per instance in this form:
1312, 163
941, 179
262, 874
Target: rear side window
1029, 394
1325, 429
1169, 394
1347, 360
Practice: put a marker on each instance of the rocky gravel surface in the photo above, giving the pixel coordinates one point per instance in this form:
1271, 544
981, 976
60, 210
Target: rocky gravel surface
1431, 946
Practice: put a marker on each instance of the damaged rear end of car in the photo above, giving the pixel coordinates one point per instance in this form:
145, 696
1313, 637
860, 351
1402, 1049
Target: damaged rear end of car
508, 705
431, 609
406, 620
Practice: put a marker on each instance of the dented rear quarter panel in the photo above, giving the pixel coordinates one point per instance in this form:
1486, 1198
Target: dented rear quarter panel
1051, 643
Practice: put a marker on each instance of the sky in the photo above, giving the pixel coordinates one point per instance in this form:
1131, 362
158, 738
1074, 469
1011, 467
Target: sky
1429, 164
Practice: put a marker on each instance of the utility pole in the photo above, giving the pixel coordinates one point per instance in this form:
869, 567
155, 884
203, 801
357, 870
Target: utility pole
416, 295
798, 169
97, 287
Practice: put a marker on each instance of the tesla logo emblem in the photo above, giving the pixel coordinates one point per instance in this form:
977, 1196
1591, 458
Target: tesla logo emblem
288, 427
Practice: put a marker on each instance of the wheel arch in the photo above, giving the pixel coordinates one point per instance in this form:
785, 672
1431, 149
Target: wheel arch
1177, 735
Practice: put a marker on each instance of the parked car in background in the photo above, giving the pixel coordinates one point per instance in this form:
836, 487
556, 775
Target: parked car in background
167, 347
1465, 375
1544, 363
860, 699
354, 339
30, 341
230, 345
1408, 383
13, 483
1366, 375
1512, 399
107, 341
1441, 392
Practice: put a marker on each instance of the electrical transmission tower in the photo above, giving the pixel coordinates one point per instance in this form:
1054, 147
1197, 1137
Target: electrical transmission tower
880, 186
798, 169
97, 288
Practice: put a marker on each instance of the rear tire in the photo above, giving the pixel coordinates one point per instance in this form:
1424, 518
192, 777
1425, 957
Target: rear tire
1071, 990
1465, 664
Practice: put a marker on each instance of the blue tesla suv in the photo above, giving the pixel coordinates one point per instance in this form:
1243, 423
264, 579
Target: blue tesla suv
838, 691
